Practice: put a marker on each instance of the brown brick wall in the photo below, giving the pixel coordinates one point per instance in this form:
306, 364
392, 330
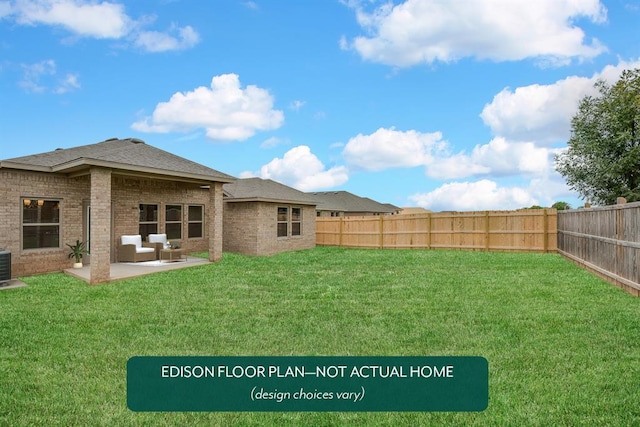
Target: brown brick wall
100, 225
126, 195
129, 192
15, 185
251, 228
240, 228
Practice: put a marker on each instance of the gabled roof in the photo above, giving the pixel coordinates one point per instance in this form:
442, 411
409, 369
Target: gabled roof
129, 155
264, 190
343, 201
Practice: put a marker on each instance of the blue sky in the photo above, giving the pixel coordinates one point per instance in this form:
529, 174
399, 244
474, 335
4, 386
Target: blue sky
444, 104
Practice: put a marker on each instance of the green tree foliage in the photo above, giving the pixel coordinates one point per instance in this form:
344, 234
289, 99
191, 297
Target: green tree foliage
602, 161
561, 206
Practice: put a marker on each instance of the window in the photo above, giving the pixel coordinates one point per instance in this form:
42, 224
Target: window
195, 221
173, 222
40, 223
288, 222
148, 220
283, 221
296, 221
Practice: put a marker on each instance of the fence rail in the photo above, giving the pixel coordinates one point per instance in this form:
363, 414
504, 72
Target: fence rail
605, 240
524, 230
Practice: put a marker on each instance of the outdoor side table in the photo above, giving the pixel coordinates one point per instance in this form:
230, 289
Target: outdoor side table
171, 255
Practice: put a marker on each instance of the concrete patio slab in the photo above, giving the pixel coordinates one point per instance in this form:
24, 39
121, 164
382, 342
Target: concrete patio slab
12, 284
126, 270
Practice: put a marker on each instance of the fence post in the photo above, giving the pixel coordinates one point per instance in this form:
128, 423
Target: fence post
340, 233
381, 222
545, 228
429, 230
486, 230
619, 233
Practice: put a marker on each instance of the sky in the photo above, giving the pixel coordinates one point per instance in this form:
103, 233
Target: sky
443, 104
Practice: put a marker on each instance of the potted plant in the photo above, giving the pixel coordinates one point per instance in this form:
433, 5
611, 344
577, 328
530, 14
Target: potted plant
77, 251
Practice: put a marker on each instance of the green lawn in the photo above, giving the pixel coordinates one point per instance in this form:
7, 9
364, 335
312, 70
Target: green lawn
563, 346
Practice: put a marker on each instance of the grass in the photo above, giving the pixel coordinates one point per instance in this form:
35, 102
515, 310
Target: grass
563, 346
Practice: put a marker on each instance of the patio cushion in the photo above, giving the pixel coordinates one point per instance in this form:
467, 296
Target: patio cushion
137, 241
132, 240
157, 238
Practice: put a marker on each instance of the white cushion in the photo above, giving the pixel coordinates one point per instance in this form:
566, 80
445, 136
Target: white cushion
157, 238
132, 240
144, 250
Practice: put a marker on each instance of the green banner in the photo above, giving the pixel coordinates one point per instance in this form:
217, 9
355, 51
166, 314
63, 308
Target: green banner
314, 383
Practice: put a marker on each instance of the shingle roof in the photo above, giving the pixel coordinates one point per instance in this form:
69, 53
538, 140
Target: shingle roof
124, 154
264, 190
343, 201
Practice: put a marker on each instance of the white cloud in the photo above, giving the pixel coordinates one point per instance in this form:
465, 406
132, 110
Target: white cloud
273, 142
41, 77
175, 39
296, 105
225, 110
389, 148
471, 196
103, 20
100, 20
497, 158
5, 9
551, 188
68, 84
33, 73
425, 31
543, 112
302, 169
251, 5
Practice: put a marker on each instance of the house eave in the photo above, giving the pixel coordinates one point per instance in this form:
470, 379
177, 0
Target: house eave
81, 166
21, 166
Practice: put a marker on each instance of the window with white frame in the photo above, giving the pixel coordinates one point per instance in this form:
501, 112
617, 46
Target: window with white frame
40, 223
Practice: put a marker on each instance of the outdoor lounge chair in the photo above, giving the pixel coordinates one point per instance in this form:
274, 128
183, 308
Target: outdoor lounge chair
158, 241
133, 249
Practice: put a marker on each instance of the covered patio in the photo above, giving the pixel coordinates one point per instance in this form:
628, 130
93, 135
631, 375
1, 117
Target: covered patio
98, 193
126, 270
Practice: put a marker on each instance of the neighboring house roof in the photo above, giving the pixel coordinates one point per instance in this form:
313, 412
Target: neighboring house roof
413, 210
130, 155
343, 201
394, 208
264, 190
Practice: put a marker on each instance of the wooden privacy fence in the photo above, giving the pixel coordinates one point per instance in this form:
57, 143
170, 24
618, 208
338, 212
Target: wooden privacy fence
605, 240
523, 230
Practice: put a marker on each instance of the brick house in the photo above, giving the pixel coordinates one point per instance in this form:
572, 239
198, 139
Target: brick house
343, 203
99, 192
264, 217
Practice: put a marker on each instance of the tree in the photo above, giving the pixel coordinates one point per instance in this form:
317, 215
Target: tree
561, 206
602, 161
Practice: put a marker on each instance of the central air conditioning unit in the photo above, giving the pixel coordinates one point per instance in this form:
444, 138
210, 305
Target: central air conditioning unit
5, 265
